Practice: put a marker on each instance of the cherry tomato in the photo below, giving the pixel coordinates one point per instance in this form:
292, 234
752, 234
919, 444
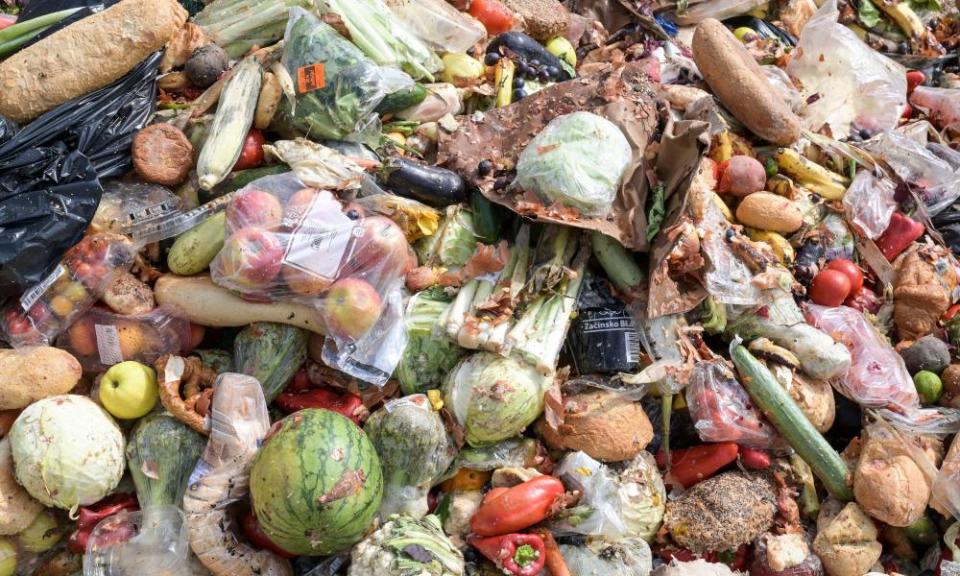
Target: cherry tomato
494, 16
251, 155
914, 79
830, 288
851, 270
253, 532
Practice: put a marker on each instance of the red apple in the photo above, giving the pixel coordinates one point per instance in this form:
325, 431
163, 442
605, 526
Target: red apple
381, 252
351, 309
254, 208
304, 283
250, 260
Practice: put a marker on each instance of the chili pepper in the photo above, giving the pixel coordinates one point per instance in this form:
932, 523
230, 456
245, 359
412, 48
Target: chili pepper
253, 532
950, 313
556, 563
914, 79
754, 458
350, 405
89, 516
692, 465
517, 554
900, 233
508, 510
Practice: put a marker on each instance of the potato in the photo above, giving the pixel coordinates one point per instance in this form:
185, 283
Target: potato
17, 508
31, 374
737, 80
767, 211
601, 423
270, 95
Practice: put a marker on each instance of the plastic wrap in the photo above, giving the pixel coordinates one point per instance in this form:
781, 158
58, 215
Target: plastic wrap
869, 203
933, 176
560, 165
286, 242
84, 274
722, 410
101, 338
126, 207
439, 24
337, 86
623, 557
836, 237
145, 543
719, 9
877, 377
846, 84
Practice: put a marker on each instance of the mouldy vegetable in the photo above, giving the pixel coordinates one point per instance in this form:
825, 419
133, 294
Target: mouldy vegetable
270, 352
316, 483
846, 540
927, 353
426, 359
30, 374
161, 454
561, 165
454, 242
415, 450
405, 547
887, 483
643, 497
205, 65
67, 451
493, 397
722, 512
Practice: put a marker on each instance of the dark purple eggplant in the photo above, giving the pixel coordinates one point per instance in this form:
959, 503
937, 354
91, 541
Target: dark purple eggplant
431, 185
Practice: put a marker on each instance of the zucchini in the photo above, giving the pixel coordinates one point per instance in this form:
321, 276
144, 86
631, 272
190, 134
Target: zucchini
237, 180
431, 185
161, 454
528, 50
777, 405
402, 99
235, 112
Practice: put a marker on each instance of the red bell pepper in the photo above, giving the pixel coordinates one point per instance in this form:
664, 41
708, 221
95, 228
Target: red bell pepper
516, 554
507, 510
89, 516
691, 465
900, 233
347, 404
754, 458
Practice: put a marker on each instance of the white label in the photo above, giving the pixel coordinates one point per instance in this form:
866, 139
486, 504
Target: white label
319, 250
414, 399
30, 297
632, 345
108, 344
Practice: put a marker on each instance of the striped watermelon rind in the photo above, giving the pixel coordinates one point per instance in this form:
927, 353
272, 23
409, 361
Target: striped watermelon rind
316, 484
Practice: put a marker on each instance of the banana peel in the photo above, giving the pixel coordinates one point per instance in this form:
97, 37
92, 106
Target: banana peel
780, 245
503, 80
722, 149
810, 175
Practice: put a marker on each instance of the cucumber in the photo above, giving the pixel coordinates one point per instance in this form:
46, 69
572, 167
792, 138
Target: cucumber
193, 250
402, 99
777, 405
240, 178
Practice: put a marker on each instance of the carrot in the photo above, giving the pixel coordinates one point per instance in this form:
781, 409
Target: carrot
555, 561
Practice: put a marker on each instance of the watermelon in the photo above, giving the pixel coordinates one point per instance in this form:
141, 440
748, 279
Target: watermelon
316, 483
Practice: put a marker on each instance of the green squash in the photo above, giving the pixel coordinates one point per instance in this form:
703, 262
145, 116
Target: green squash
316, 483
272, 353
161, 454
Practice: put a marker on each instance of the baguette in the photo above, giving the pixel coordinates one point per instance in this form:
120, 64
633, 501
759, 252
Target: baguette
85, 56
738, 81
199, 300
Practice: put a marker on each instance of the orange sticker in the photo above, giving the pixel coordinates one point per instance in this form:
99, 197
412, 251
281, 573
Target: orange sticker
310, 78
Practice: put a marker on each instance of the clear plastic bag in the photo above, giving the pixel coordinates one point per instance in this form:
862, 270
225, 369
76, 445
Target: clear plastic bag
101, 338
722, 411
288, 242
623, 557
846, 84
877, 376
124, 207
152, 542
84, 274
869, 203
337, 86
439, 24
719, 9
933, 175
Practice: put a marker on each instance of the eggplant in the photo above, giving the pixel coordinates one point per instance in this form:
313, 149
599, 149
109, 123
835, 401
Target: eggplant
531, 56
431, 185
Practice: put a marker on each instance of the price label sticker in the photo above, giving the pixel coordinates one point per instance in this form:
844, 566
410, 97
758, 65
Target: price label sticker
108, 344
310, 78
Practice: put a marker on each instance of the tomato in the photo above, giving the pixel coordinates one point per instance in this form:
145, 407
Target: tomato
914, 79
251, 529
251, 155
830, 288
850, 270
494, 16
512, 509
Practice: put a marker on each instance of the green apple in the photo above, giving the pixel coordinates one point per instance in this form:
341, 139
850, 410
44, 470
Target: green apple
8, 558
41, 534
128, 390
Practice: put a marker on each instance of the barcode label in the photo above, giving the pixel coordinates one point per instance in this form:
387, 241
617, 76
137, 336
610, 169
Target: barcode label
30, 297
632, 345
108, 344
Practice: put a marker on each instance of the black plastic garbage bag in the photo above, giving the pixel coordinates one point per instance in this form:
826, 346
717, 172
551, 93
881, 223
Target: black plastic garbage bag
50, 173
947, 224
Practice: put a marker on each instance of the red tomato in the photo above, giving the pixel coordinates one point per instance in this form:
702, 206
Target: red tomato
513, 509
830, 288
251, 155
494, 16
253, 532
914, 79
850, 270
